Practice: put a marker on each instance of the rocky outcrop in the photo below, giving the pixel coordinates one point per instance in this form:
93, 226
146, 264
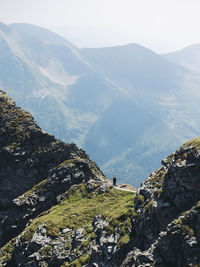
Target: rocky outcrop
166, 227
35, 169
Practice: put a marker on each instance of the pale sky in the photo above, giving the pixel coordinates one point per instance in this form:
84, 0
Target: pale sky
161, 25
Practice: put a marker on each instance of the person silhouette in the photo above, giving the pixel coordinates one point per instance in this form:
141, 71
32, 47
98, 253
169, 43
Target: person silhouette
114, 180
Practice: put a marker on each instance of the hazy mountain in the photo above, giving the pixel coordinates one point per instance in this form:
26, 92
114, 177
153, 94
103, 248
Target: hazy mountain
162, 89
55, 82
126, 105
188, 57
134, 67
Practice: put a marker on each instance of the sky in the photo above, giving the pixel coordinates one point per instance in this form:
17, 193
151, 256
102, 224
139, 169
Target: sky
161, 25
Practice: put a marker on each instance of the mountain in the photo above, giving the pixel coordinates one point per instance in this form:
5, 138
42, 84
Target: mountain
126, 105
188, 57
134, 67
163, 91
53, 80
58, 209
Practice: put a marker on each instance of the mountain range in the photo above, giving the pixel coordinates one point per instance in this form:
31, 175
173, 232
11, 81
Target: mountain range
127, 106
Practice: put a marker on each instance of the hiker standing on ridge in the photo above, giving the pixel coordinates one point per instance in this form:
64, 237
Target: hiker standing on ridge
114, 180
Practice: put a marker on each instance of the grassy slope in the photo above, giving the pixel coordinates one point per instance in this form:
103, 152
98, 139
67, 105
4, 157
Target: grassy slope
78, 210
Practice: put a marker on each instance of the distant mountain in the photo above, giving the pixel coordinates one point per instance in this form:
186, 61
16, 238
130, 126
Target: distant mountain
45, 74
161, 89
126, 105
134, 67
188, 57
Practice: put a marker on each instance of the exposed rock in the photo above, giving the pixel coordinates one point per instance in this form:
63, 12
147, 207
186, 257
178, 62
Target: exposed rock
166, 204
35, 169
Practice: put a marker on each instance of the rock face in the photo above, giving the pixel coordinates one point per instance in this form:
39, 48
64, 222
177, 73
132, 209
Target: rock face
58, 209
31, 157
166, 228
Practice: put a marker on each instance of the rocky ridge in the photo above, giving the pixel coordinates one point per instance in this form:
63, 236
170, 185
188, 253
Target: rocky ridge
56, 204
35, 163
58, 209
166, 229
